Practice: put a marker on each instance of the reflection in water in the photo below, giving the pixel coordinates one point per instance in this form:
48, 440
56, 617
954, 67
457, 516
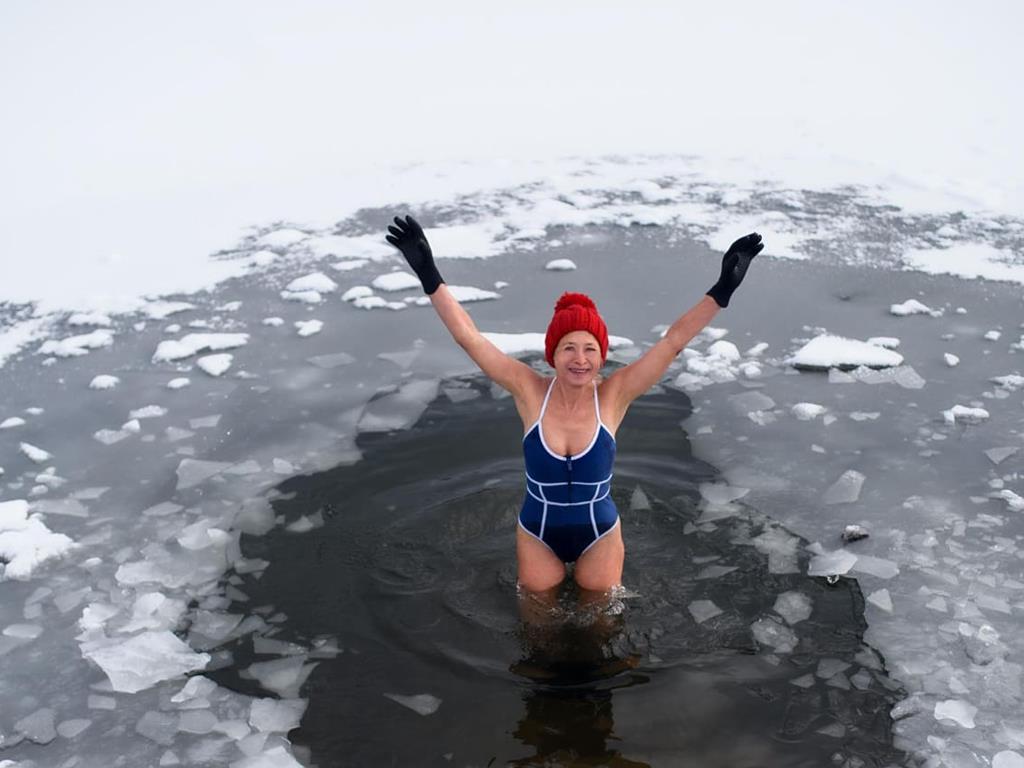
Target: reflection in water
569, 644
721, 653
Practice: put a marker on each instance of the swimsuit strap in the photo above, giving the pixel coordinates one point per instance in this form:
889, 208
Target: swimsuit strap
597, 406
544, 406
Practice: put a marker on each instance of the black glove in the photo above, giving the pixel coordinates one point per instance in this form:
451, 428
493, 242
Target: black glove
734, 267
407, 236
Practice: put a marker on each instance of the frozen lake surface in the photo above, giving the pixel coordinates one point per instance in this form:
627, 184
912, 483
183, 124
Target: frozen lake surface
282, 516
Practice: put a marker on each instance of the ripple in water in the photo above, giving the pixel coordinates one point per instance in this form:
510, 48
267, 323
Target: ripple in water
697, 659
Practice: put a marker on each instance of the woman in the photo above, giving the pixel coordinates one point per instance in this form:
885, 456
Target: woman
570, 420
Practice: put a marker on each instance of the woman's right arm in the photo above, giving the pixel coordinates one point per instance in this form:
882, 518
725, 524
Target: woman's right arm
515, 376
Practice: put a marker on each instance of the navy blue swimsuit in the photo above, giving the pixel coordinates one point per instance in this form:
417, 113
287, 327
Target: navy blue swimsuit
568, 505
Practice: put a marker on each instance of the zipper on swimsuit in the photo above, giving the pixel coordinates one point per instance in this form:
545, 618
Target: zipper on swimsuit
568, 461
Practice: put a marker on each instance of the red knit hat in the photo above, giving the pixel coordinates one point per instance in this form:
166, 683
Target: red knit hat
574, 312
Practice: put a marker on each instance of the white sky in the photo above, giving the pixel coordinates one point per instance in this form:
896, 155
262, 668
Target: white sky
138, 137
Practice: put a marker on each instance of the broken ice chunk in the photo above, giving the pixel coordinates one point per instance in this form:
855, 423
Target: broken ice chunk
721, 493
889, 342
399, 410
192, 472
912, 307
275, 757
854, 533
830, 667
793, 606
38, 455
316, 281
702, 610
197, 721
831, 563
1008, 759
747, 402
876, 566
560, 265
829, 351
38, 727
148, 412
26, 542
309, 327
104, 382
215, 365
282, 676
158, 726
951, 360
639, 501
807, 411
69, 729
999, 455
964, 415
422, 703
846, 489
880, 599
276, 715
332, 361
144, 660
959, 711
1014, 501
770, 632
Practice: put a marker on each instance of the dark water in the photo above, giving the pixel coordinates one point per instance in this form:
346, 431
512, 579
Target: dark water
414, 572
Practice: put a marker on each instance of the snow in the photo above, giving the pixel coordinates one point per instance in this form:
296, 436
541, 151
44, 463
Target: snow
34, 453
467, 293
315, 281
76, 346
912, 307
193, 343
828, 351
308, 327
107, 247
808, 411
395, 281
964, 414
215, 365
560, 265
25, 541
357, 292
104, 381
967, 260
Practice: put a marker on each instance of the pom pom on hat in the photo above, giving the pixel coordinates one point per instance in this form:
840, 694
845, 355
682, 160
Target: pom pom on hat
574, 312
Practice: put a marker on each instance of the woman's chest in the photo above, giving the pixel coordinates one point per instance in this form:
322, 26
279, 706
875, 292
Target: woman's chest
568, 438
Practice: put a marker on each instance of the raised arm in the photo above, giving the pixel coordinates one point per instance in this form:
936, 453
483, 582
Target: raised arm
514, 375
633, 380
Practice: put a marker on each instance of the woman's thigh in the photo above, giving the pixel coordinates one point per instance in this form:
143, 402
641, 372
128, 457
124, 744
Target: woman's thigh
539, 568
600, 567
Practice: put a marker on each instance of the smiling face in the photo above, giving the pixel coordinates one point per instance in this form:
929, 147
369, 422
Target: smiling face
577, 357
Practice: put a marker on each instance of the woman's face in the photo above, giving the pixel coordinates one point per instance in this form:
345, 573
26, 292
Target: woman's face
577, 357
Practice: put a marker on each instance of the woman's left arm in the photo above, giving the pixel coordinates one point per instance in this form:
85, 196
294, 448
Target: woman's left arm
633, 380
